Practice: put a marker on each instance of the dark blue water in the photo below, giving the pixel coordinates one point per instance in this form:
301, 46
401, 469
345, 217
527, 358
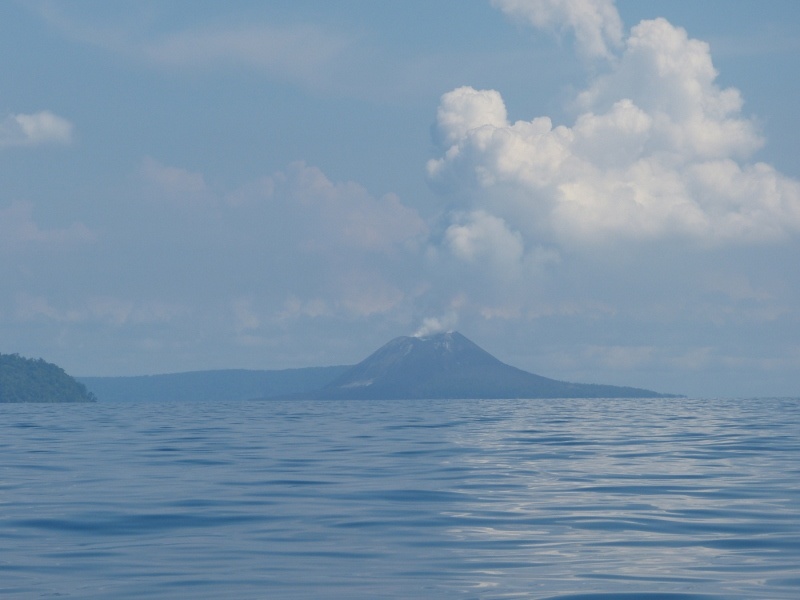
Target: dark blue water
568, 499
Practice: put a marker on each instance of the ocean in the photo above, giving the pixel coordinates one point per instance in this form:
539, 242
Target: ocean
668, 499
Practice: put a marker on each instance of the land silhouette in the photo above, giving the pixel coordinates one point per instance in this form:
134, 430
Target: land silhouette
439, 366
34, 380
448, 365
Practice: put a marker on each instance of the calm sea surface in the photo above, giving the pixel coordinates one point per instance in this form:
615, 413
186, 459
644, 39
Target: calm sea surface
568, 499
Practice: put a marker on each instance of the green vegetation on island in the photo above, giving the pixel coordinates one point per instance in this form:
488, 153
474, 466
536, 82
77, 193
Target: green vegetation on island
34, 380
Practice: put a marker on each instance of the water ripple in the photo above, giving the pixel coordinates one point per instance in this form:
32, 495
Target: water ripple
657, 499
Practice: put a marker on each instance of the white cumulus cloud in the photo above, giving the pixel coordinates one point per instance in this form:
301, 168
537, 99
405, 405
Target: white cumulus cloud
481, 235
658, 150
595, 23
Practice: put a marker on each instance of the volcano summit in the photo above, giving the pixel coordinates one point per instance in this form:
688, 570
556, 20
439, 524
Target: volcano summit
448, 365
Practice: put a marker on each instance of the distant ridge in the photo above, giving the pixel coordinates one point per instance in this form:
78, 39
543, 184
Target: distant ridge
445, 365
448, 365
217, 385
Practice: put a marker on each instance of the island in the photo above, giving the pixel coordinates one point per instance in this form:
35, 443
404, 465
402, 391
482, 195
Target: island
439, 366
218, 385
34, 380
450, 366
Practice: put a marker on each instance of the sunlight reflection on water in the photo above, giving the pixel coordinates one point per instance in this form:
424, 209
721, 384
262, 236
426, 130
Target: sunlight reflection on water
568, 499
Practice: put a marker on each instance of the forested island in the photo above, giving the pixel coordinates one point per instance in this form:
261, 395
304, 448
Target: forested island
35, 380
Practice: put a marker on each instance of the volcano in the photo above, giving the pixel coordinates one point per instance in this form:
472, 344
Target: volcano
448, 365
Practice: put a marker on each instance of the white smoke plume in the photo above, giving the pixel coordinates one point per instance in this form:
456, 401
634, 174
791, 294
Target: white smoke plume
434, 325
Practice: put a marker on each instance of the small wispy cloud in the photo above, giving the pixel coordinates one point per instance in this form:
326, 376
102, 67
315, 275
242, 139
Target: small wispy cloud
175, 184
35, 129
107, 310
301, 52
18, 229
294, 50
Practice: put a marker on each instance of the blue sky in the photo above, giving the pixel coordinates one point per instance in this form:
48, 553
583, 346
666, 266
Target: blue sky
592, 191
